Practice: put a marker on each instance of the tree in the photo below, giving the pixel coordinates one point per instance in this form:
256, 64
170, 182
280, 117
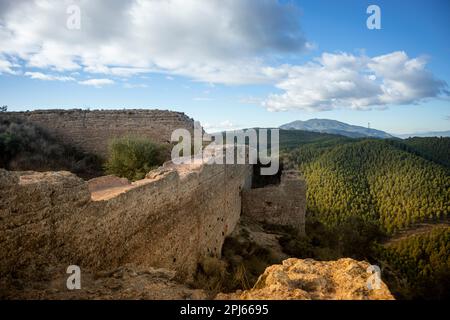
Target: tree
4, 108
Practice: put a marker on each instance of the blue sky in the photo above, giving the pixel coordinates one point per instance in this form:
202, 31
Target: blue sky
232, 64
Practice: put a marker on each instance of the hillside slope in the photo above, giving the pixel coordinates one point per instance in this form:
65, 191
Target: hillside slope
290, 139
373, 179
434, 149
335, 127
418, 266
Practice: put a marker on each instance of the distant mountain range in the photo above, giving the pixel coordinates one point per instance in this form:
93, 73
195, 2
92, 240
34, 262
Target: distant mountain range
335, 127
425, 134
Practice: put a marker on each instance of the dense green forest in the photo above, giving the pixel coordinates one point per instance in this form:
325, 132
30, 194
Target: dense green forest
361, 191
377, 180
419, 266
434, 149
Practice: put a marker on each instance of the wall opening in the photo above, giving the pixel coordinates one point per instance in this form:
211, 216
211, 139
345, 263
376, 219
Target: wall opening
261, 181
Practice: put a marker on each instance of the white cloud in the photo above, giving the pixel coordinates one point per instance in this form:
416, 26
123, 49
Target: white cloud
48, 77
224, 41
342, 80
214, 41
98, 83
6, 66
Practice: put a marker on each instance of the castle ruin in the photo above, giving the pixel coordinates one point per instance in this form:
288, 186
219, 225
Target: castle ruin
171, 219
91, 131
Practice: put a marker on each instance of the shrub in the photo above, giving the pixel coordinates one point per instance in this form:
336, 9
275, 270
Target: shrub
246, 261
10, 145
25, 146
211, 274
133, 158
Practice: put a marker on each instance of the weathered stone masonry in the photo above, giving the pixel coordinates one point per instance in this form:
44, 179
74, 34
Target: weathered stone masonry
91, 131
283, 204
169, 221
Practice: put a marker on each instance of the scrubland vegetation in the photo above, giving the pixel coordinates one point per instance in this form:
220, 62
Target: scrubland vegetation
24, 146
133, 157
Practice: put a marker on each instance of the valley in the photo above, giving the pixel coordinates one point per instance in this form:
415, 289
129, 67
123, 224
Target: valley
397, 190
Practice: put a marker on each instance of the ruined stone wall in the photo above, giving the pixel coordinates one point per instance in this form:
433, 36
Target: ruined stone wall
283, 204
92, 130
171, 219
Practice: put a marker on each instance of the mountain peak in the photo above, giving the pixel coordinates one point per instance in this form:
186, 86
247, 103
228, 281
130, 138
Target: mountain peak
335, 127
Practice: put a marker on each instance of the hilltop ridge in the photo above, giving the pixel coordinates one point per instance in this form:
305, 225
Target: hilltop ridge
335, 127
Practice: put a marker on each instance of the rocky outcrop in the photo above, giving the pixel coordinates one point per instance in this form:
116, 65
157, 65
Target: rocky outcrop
128, 282
344, 279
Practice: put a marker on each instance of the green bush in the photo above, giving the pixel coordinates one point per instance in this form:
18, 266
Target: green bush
133, 158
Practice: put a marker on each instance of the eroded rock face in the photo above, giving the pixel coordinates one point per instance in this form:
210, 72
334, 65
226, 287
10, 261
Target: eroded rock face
344, 279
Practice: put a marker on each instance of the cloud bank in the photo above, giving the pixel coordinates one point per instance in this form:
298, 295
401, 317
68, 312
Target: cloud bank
342, 80
222, 41
214, 41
